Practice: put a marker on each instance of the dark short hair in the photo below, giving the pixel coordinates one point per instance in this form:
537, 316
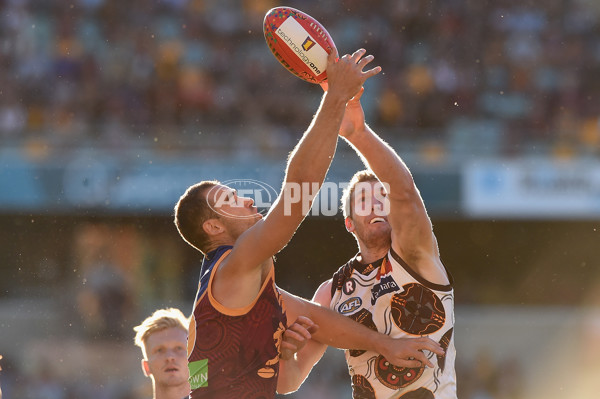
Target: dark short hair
359, 177
191, 211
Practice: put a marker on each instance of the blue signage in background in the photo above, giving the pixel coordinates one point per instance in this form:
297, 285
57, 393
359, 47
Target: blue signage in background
101, 182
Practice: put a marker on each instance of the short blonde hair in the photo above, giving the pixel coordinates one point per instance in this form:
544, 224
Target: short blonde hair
160, 320
359, 177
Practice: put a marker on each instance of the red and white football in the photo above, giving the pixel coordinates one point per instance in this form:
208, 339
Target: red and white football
299, 42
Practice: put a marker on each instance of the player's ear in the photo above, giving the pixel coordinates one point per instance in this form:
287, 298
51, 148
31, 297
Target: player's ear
213, 227
349, 225
146, 368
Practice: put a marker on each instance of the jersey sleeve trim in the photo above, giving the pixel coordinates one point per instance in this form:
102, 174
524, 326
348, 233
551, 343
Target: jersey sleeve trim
421, 280
235, 311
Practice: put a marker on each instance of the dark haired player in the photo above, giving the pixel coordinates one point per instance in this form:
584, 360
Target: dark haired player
239, 314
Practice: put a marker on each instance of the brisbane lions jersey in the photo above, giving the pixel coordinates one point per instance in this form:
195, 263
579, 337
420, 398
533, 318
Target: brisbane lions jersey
388, 296
234, 353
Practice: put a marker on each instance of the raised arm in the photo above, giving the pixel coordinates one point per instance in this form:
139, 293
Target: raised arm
412, 231
344, 333
307, 166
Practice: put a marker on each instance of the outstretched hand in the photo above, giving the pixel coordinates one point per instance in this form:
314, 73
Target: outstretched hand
346, 75
296, 336
409, 352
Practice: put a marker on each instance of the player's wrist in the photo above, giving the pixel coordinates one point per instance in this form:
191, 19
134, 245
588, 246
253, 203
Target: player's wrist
381, 343
335, 98
357, 134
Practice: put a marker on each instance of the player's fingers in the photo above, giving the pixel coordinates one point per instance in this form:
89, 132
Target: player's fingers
302, 331
334, 53
421, 358
299, 335
432, 346
408, 363
304, 321
290, 346
333, 57
356, 56
307, 324
365, 60
371, 72
346, 58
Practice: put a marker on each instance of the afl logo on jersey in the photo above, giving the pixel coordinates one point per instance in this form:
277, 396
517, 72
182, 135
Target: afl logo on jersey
349, 286
350, 305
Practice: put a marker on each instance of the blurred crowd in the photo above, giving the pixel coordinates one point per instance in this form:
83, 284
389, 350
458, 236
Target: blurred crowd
497, 77
504, 76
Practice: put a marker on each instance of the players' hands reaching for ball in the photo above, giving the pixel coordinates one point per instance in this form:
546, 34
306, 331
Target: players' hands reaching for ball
346, 75
408, 352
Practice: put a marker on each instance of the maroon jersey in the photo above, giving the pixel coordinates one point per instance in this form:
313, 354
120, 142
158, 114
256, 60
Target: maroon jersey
234, 353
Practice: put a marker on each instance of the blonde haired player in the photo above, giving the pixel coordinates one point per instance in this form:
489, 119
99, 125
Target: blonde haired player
163, 340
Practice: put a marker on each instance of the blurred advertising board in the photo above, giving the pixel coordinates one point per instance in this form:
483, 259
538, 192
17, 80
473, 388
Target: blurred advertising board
531, 188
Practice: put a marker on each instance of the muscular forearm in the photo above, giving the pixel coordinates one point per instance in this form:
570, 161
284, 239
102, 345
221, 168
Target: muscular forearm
312, 156
342, 332
381, 158
334, 329
345, 333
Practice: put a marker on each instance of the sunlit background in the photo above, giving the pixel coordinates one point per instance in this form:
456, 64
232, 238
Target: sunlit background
109, 109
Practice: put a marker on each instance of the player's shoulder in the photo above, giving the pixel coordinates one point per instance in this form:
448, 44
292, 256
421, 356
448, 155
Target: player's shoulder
343, 273
323, 293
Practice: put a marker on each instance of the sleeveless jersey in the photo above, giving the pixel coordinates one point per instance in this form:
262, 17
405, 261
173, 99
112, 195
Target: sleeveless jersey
234, 353
388, 296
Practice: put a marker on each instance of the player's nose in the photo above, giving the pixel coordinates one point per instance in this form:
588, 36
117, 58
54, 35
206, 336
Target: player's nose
248, 201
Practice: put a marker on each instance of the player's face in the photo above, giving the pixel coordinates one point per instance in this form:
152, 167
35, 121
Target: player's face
370, 210
237, 213
166, 352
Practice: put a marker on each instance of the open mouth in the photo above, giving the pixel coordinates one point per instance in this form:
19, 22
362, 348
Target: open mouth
377, 220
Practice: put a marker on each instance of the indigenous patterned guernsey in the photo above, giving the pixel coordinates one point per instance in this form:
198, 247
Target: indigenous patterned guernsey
234, 353
388, 296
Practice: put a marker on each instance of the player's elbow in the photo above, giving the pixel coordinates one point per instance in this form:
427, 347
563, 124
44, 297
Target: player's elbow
287, 387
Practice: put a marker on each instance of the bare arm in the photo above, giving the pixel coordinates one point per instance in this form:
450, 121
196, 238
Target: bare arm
307, 165
344, 333
293, 371
412, 231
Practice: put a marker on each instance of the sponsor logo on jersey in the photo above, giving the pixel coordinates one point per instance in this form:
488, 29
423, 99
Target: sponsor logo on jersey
386, 286
350, 305
198, 374
349, 286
